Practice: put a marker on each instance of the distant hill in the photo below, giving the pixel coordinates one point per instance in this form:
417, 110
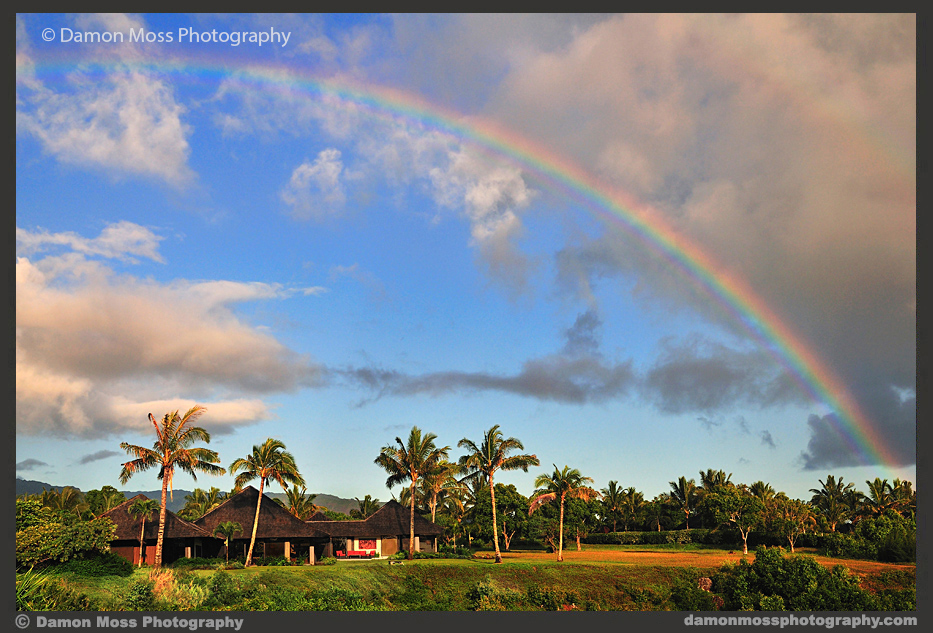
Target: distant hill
331, 502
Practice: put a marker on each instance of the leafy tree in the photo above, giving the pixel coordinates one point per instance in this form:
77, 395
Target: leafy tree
561, 485
367, 507
763, 491
226, 530
792, 518
481, 462
172, 449
684, 493
512, 511
268, 462
580, 517
44, 535
104, 499
141, 510
738, 506
406, 462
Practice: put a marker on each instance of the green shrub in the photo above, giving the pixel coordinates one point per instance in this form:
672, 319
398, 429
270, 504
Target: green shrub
196, 563
101, 564
326, 560
799, 581
140, 596
488, 595
337, 599
549, 599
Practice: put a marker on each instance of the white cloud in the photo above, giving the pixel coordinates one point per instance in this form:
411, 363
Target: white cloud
120, 240
92, 346
127, 124
315, 189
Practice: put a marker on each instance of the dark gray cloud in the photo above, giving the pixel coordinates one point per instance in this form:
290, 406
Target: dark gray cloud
700, 375
831, 444
29, 464
578, 374
96, 457
767, 440
709, 423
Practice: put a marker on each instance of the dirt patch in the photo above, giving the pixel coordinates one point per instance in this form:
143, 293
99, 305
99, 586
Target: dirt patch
700, 559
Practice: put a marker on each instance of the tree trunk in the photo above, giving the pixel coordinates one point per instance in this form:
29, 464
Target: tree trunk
142, 531
578, 542
411, 539
560, 533
495, 526
158, 557
433, 505
252, 540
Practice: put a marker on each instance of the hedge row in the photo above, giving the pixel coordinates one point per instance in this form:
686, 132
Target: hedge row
722, 536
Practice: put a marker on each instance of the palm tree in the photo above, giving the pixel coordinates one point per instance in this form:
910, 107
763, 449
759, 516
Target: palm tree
831, 500
268, 461
171, 450
367, 506
300, 504
406, 462
435, 481
632, 502
68, 500
491, 455
763, 491
613, 502
142, 509
561, 485
880, 497
684, 492
227, 529
713, 480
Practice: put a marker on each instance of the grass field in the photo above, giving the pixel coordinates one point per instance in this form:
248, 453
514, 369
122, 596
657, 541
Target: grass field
603, 577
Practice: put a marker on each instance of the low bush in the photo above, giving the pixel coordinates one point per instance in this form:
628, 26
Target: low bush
489, 595
101, 564
801, 584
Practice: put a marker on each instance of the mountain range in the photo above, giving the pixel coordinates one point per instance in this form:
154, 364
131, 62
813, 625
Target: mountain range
331, 502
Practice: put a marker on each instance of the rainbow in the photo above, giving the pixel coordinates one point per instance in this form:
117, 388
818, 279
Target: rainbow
649, 226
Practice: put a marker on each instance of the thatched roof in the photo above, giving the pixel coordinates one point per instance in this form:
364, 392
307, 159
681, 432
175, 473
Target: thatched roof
392, 519
319, 516
274, 520
128, 526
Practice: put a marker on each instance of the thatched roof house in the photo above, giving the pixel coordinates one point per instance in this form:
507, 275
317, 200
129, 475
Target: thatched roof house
279, 533
383, 533
181, 538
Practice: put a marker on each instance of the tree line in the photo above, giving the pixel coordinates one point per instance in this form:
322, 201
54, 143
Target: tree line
462, 495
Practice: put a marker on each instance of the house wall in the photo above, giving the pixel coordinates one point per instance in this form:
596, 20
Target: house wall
388, 545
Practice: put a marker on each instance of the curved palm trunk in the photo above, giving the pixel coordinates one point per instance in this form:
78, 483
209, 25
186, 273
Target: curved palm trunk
252, 540
411, 538
560, 533
162, 517
495, 525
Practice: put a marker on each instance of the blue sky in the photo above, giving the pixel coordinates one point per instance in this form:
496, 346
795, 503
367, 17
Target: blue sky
331, 273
